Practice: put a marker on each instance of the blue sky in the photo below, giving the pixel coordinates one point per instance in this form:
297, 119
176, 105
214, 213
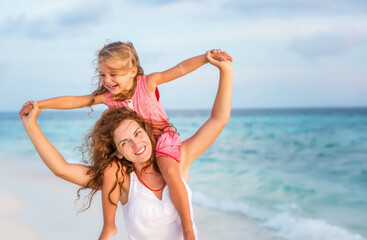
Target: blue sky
286, 53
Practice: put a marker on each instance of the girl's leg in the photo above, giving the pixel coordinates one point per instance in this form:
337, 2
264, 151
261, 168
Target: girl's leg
178, 193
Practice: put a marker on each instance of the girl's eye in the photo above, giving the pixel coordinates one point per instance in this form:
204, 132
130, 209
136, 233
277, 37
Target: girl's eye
123, 143
137, 133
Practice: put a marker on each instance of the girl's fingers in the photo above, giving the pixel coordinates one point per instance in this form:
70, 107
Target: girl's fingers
216, 51
28, 109
222, 56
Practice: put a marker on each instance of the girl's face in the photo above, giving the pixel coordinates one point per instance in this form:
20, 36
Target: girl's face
132, 142
113, 80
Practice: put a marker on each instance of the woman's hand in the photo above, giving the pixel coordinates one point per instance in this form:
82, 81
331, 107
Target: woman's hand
223, 62
27, 107
31, 117
219, 55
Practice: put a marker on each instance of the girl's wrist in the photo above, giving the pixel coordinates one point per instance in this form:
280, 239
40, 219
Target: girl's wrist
205, 58
40, 104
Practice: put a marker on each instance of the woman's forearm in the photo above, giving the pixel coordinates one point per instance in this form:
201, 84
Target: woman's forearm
75, 173
221, 110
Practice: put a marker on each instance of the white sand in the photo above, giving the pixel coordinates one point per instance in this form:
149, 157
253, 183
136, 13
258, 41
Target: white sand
37, 205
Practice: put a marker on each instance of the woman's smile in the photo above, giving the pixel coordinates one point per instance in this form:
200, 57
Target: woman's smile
141, 150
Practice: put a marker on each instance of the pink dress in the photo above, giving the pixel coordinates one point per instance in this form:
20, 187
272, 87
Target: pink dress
168, 144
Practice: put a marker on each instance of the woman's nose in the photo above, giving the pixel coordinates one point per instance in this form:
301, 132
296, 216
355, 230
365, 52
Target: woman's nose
134, 144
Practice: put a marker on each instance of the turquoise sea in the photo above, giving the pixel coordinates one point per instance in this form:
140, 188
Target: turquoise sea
299, 172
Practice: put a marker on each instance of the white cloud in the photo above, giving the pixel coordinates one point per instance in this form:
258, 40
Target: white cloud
289, 8
326, 44
52, 21
53, 43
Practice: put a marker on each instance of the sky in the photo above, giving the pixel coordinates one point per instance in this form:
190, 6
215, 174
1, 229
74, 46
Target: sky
286, 53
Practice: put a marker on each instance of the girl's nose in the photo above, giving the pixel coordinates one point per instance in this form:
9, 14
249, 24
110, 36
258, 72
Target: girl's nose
107, 79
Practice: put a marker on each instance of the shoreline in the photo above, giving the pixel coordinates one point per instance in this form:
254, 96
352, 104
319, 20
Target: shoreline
38, 205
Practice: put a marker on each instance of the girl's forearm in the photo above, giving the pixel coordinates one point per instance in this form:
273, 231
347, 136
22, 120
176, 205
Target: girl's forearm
65, 102
192, 64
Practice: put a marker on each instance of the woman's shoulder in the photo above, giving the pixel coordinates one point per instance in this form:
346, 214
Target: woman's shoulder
123, 178
115, 168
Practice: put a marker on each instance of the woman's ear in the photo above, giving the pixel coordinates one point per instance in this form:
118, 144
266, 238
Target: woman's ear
118, 155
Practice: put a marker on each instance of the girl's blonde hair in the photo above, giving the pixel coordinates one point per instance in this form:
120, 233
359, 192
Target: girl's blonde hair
125, 53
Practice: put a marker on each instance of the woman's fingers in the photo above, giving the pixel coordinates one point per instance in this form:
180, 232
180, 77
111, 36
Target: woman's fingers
26, 108
34, 111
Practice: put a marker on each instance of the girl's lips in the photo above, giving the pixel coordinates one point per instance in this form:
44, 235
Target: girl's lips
141, 151
113, 87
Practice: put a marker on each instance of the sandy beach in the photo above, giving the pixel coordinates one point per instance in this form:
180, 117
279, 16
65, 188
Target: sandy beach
38, 205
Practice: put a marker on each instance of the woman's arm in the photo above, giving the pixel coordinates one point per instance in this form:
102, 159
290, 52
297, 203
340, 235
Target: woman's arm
193, 147
75, 173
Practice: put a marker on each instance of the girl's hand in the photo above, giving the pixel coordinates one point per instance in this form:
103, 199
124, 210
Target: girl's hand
221, 64
31, 117
27, 107
219, 55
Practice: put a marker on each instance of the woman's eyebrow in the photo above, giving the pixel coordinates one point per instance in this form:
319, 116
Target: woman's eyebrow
137, 130
126, 138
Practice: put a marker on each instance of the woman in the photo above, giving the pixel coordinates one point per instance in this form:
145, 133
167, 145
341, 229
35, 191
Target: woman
122, 155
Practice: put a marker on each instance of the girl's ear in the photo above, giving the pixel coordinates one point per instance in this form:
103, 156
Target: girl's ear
134, 71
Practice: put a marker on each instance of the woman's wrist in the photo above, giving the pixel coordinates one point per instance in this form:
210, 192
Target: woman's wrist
30, 125
225, 66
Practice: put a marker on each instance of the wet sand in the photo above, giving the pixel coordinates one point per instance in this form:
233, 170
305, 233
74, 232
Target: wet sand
37, 205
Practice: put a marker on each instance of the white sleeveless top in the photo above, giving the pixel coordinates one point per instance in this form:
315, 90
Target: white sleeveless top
147, 217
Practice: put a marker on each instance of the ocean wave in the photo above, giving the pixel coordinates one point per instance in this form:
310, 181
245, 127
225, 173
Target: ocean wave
283, 223
298, 228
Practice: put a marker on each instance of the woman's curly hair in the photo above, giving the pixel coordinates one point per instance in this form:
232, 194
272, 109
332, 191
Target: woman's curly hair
99, 149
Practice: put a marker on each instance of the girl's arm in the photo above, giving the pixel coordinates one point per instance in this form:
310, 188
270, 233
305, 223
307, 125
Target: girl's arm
64, 102
183, 68
209, 131
75, 173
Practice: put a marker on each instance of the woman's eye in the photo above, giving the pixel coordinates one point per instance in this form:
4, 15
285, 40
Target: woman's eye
123, 144
137, 133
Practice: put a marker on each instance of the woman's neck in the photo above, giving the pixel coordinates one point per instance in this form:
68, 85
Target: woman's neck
145, 169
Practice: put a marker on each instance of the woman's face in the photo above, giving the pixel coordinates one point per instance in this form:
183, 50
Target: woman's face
132, 142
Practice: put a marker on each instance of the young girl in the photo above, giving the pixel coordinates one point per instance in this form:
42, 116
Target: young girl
122, 83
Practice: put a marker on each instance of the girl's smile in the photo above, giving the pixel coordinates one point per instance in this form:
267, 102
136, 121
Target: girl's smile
114, 79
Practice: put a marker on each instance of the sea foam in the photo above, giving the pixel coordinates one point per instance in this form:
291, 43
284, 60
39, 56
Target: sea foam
284, 224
